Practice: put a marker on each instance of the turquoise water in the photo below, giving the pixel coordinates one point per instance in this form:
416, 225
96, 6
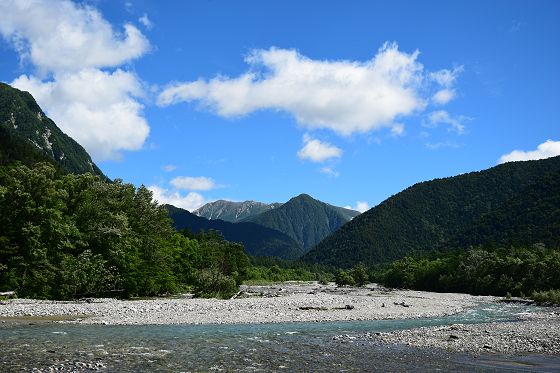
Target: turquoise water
252, 348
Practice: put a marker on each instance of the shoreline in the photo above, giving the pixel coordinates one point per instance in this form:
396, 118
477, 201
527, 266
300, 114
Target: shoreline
276, 303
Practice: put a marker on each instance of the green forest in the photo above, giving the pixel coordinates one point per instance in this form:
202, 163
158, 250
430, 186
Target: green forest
521, 271
68, 236
513, 204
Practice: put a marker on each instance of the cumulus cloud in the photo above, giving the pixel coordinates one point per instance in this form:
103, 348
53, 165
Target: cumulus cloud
547, 149
94, 107
344, 96
317, 151
193, 183
62, 35
75, 51
442, 116
443, 96
361, 206
189, 202
329, 171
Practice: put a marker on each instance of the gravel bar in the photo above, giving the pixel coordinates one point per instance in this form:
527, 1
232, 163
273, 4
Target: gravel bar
285, 302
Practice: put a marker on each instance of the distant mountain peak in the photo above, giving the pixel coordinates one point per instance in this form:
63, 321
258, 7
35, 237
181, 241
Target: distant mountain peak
305, 219
233, 211
257, 240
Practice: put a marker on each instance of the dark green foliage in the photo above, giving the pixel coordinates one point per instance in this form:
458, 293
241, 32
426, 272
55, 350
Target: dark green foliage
77, 235
360, 275
257, 240
343, 278
28, 136
221, 266
269, 269
516, 271
304, 219
211, 283
532, 216
515, 202
357, 276
550, 297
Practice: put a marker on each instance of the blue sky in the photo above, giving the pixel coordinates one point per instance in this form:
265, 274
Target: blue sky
349, 102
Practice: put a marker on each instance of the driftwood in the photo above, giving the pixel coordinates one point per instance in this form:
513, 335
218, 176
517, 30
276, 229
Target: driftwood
401, 304
307, 308
7, 293
236, 295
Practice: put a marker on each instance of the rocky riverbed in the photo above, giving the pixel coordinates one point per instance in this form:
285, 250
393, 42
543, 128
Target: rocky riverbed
537, 332
286, 302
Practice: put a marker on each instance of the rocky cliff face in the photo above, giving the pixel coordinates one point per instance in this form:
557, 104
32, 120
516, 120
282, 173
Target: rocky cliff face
29, 135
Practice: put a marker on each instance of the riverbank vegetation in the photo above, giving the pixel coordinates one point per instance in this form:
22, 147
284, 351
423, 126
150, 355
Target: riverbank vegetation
70, 236
517, 271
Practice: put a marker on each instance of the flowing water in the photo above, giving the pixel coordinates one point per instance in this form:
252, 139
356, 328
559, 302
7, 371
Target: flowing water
249, 348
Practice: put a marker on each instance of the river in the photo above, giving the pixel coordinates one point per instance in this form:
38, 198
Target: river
285, 347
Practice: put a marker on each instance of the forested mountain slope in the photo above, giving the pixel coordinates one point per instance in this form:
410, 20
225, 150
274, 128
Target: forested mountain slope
305, 219
257, 240
434, 214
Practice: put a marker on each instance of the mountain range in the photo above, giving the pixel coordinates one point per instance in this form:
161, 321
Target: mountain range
515, 203
305, 219
257, 240
291, 228
233, 212
27, 135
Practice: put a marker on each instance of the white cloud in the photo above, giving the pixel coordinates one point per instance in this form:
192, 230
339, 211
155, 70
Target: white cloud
361, 206
446, 78
344, 96
146, 22
68, 44
62, 35
397, 129
547, 149
329, 171
94, 107
169, 168
442, 144
317, 151
193, 183
190, 202
442, 116
443, 96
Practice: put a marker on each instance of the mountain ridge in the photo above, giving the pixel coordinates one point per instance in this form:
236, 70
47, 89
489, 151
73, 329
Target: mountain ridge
305, 219
425, 216
28, 136
233, 212
257, 240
